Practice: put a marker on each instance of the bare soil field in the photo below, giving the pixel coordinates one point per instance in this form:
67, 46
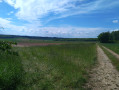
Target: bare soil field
104, 76
35, 44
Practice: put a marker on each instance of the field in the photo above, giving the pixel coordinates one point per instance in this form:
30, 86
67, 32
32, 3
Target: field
58, 67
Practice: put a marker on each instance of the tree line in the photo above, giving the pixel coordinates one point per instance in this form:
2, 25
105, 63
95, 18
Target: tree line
109, 37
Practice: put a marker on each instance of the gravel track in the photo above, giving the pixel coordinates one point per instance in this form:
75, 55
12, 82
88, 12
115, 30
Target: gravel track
104, 76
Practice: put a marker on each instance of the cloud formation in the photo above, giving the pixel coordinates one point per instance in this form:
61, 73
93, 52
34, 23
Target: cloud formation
10, 13
31, 10
115, 21
34, 11
66, 32
8, 26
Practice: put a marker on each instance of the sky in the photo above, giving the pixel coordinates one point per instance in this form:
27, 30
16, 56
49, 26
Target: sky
59, 18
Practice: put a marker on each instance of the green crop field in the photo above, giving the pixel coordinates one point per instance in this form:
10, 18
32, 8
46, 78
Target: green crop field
61, 67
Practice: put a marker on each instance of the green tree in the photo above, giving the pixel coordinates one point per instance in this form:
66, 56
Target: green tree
105, 37
115, 35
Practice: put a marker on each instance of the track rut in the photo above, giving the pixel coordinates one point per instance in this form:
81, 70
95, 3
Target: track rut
104, 76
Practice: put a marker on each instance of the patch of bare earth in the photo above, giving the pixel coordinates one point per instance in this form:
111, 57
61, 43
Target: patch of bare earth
35, 44
104, 76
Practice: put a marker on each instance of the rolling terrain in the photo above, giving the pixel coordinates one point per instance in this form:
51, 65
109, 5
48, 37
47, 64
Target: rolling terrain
60, 65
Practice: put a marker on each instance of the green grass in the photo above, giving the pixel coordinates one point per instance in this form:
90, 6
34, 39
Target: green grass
113, 46
58, 67
10, 71
113, 59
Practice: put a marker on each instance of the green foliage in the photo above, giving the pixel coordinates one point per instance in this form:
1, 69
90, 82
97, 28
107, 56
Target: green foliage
76, 39
107, 37
6, 46
57, 67
115, 35
104, 37
10, 67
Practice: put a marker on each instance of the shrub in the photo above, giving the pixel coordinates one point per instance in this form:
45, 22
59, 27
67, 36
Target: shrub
10, 67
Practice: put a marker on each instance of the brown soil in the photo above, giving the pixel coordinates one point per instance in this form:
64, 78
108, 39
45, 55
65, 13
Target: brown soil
112, 52
35, 44
104, 76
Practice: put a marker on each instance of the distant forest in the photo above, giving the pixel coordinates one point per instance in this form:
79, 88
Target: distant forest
47, 38
109, 37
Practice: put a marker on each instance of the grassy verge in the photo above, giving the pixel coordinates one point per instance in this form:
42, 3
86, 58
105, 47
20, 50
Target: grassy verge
10, 71
113, 46
61, 67
113, 59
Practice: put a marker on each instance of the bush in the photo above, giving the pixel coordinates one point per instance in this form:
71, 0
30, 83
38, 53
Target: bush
10, 67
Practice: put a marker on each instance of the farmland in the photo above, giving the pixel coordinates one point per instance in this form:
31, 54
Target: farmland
58, 67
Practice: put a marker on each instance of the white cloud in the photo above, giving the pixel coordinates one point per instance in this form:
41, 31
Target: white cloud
115, 21
68, 31
10, 13
0, 1
114, 30
8, 19
31, 10
9, 27
34, 10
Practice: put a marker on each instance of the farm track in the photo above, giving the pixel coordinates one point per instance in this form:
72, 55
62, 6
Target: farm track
112, 52
104, 76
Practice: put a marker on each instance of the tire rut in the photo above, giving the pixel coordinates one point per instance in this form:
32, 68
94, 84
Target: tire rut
104, 76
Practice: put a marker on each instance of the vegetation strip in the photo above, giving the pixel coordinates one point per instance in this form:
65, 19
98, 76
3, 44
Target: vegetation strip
10, 67
112, 46
107, 37
113, 53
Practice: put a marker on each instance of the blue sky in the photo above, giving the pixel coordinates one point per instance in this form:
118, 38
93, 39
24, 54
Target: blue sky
59, 18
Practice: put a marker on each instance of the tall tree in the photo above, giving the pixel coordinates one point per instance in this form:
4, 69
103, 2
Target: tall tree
104, 37
115, 35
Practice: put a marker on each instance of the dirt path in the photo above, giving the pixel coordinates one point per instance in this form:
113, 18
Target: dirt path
104, 76
112, 52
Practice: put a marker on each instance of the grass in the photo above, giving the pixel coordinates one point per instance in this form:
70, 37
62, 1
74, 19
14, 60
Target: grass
10, 71
61, 67
113, 59
113, 46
